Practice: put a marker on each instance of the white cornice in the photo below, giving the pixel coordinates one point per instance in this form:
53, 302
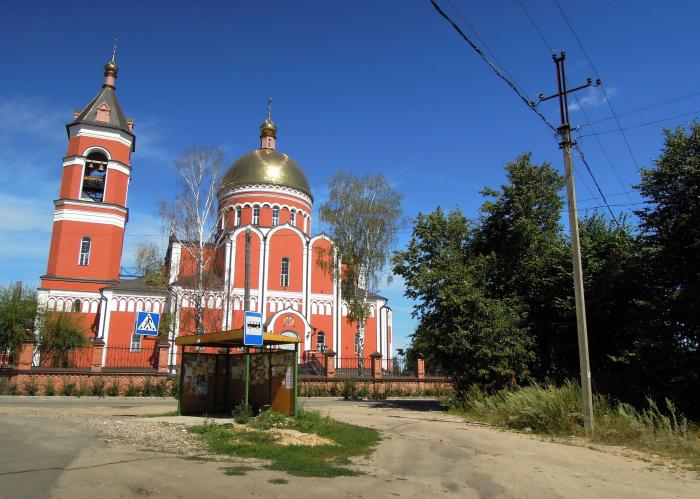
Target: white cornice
84, 130
264, 188
61, 214
91, 204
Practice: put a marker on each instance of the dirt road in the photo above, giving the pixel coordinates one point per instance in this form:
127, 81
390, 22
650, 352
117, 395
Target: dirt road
423, 453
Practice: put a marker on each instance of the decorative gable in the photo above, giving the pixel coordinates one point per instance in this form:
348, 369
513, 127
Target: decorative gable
102, 112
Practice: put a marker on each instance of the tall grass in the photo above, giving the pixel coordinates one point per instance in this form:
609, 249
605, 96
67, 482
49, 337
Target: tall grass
556, 410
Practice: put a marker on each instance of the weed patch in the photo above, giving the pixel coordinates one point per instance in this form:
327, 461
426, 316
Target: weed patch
553, 410
299, 460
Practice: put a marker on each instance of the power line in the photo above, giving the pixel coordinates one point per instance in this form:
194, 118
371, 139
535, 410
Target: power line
595, 134
493, 67
579, 151
605, 153
645, 108
597, 75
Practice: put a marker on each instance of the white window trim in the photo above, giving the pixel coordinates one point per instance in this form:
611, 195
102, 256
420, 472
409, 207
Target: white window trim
80, 251
283, 274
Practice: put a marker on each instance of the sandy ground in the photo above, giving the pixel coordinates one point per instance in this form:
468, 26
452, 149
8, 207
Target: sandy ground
423, 453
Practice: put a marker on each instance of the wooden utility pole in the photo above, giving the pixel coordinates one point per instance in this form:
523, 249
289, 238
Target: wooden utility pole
565, 132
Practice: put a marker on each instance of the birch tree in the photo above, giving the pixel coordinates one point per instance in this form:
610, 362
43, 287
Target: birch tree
192, 218
362, 215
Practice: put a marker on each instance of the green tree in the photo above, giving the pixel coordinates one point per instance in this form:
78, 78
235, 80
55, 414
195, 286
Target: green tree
670, 233
520, 227
362, 214
473, 336
59, 334
18, 309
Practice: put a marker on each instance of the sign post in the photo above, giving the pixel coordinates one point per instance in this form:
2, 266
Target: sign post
147, 323
252, 329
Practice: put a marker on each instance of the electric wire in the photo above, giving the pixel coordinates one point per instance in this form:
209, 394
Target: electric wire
597, 75
495, 69
645, 108
578, 147
640, 125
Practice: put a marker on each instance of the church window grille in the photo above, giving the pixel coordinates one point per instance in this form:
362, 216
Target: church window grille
275, 215
239, 215
256, 215
321, 341
76, 305
85, 246
293, 218
284, 274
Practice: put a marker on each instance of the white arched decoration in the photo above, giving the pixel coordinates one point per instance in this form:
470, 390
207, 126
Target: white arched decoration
288, 334
314, 308
51, 305
122, 305
329, 309
270, 324
236, 303
273, 306
98, 149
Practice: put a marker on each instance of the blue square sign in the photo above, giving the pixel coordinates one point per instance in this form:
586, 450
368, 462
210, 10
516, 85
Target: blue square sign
147, 323
252, 329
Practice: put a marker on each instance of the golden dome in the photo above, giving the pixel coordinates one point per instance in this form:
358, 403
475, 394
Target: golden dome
111, 67
266, 166
268, 126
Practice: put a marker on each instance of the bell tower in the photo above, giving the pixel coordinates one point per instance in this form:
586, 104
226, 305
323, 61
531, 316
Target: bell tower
90, 213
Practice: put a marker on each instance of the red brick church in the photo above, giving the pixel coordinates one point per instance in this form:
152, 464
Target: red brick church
265, 191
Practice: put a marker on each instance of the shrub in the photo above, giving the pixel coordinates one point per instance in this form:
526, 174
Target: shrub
148, 387
68, 388
242, 413
363, 392
131, 389
49, 388
175, 387
31, 388
12, 389
98, 387
160, 389
113, 389
349, 391
84, 388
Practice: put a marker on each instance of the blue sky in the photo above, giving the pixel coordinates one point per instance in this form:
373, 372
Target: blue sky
376, 86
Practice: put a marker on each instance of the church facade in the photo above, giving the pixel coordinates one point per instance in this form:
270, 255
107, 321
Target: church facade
264, 196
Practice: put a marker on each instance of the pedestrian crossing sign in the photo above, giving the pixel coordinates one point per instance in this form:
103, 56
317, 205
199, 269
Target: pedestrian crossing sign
147, 323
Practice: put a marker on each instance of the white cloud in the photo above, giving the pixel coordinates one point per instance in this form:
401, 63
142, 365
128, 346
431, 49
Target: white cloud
595, 97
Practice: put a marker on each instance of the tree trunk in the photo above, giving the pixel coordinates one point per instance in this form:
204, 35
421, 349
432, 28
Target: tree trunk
360, 347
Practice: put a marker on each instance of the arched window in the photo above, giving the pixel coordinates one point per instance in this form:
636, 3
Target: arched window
76, 305
94, 177
85, 246
275, 216
293, 218
321, 341
239, 215
284, 273
256, 215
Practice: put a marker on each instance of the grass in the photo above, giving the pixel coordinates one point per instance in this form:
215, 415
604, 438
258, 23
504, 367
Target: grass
299, 460
553, 410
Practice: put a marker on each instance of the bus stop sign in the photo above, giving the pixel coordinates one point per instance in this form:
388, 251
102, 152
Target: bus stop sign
252, 329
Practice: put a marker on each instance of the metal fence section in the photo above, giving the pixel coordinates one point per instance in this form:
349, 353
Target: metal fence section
126, 356
433, 369
349, 367
74, 358
399, 367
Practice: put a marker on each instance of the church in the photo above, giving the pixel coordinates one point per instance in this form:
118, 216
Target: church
264, 193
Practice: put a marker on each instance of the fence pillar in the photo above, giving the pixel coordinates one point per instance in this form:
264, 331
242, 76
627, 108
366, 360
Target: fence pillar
420, 371
376, 360
329, 361
26, 355
163, 349
98, 345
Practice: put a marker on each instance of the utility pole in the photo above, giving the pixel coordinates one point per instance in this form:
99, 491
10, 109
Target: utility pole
246, 295
565, 132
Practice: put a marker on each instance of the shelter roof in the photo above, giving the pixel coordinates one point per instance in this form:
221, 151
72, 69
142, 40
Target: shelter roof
233, 338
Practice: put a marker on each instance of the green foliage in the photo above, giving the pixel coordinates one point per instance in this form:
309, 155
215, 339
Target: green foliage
68, 388
160, 388
175, 387
112, 389
269, 419
350, 389
132, 390
31, 388
148, 388
49, 388
299, 460
98, 387
18, 311
59, 335
242, 413
84, 388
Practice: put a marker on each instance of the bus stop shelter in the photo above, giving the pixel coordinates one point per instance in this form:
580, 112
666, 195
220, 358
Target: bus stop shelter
213, 380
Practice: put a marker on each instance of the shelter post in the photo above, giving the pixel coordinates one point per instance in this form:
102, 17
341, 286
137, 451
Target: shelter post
295, 380
247, 376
